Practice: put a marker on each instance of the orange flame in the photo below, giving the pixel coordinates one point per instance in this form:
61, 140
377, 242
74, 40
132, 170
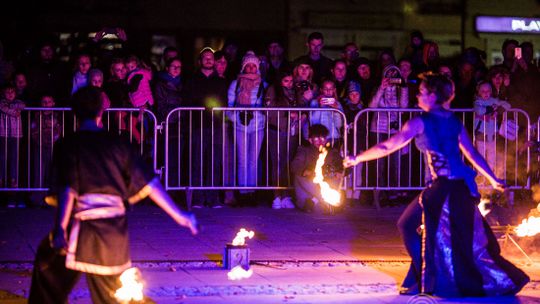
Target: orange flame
241, 236
239, 273
329, 195
132, 288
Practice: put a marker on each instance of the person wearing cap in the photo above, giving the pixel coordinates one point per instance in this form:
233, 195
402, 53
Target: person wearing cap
247, 91
321, 64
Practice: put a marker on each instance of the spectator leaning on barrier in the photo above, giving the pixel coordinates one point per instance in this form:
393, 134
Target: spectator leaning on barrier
486, 119
391, 94
140, 93
282, 136
10, 133
499, 77
247, 91
206, 89
95, 79
168, 89
118, 91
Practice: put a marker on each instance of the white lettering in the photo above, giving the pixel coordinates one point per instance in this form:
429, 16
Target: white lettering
521, 25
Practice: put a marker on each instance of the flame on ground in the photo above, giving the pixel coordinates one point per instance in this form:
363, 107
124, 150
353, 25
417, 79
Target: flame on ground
528, 227
239, 273
131, 288
241, 236
329, 195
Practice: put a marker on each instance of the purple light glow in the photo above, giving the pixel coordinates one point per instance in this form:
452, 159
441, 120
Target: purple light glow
487, 24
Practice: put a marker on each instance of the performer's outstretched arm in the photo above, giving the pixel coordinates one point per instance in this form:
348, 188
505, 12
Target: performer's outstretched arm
479, 163
394, 143
165, 202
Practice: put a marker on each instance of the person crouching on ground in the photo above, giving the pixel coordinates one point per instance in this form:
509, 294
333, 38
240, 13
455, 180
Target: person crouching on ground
93, 173
308, 194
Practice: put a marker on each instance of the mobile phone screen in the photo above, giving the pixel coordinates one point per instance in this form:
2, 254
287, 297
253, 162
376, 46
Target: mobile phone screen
517, 53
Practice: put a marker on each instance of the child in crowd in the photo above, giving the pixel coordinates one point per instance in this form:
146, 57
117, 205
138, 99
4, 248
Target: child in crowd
140, 93
353, 105
80, 78
10, 135
486, 109
95, 79
308, 194
45, 130
332, 120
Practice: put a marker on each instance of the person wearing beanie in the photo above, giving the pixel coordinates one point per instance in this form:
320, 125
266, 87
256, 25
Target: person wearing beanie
247, 91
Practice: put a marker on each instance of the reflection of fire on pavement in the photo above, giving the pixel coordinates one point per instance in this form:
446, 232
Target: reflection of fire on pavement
238, 273
132, 288
329, 195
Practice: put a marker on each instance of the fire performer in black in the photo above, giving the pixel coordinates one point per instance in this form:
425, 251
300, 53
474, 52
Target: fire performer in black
94, 172
458, 254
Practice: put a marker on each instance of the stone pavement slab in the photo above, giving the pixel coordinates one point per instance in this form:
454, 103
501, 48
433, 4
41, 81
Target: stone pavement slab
352, 257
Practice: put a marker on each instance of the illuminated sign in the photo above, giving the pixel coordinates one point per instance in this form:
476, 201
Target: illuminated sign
515, 25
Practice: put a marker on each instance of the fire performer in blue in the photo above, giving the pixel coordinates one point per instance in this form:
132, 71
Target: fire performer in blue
458, 254
94, 172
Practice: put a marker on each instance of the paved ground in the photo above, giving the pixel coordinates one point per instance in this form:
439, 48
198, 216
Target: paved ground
352, 257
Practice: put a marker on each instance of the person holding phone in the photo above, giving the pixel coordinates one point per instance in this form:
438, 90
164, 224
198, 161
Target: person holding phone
392, 93
332, 120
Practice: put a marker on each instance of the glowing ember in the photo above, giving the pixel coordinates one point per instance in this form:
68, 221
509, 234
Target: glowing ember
528, 227
131, 288
241, 236
329, 195
482, 206
239, 273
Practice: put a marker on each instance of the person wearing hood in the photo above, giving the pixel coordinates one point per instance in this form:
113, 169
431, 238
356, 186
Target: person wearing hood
392, 93
247, 91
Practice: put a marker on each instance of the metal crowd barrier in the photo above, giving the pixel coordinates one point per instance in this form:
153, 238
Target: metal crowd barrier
239, 148
26, 157
213, 149
503, 147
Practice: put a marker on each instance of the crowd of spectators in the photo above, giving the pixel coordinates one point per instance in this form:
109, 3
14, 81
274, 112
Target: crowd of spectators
228, 78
